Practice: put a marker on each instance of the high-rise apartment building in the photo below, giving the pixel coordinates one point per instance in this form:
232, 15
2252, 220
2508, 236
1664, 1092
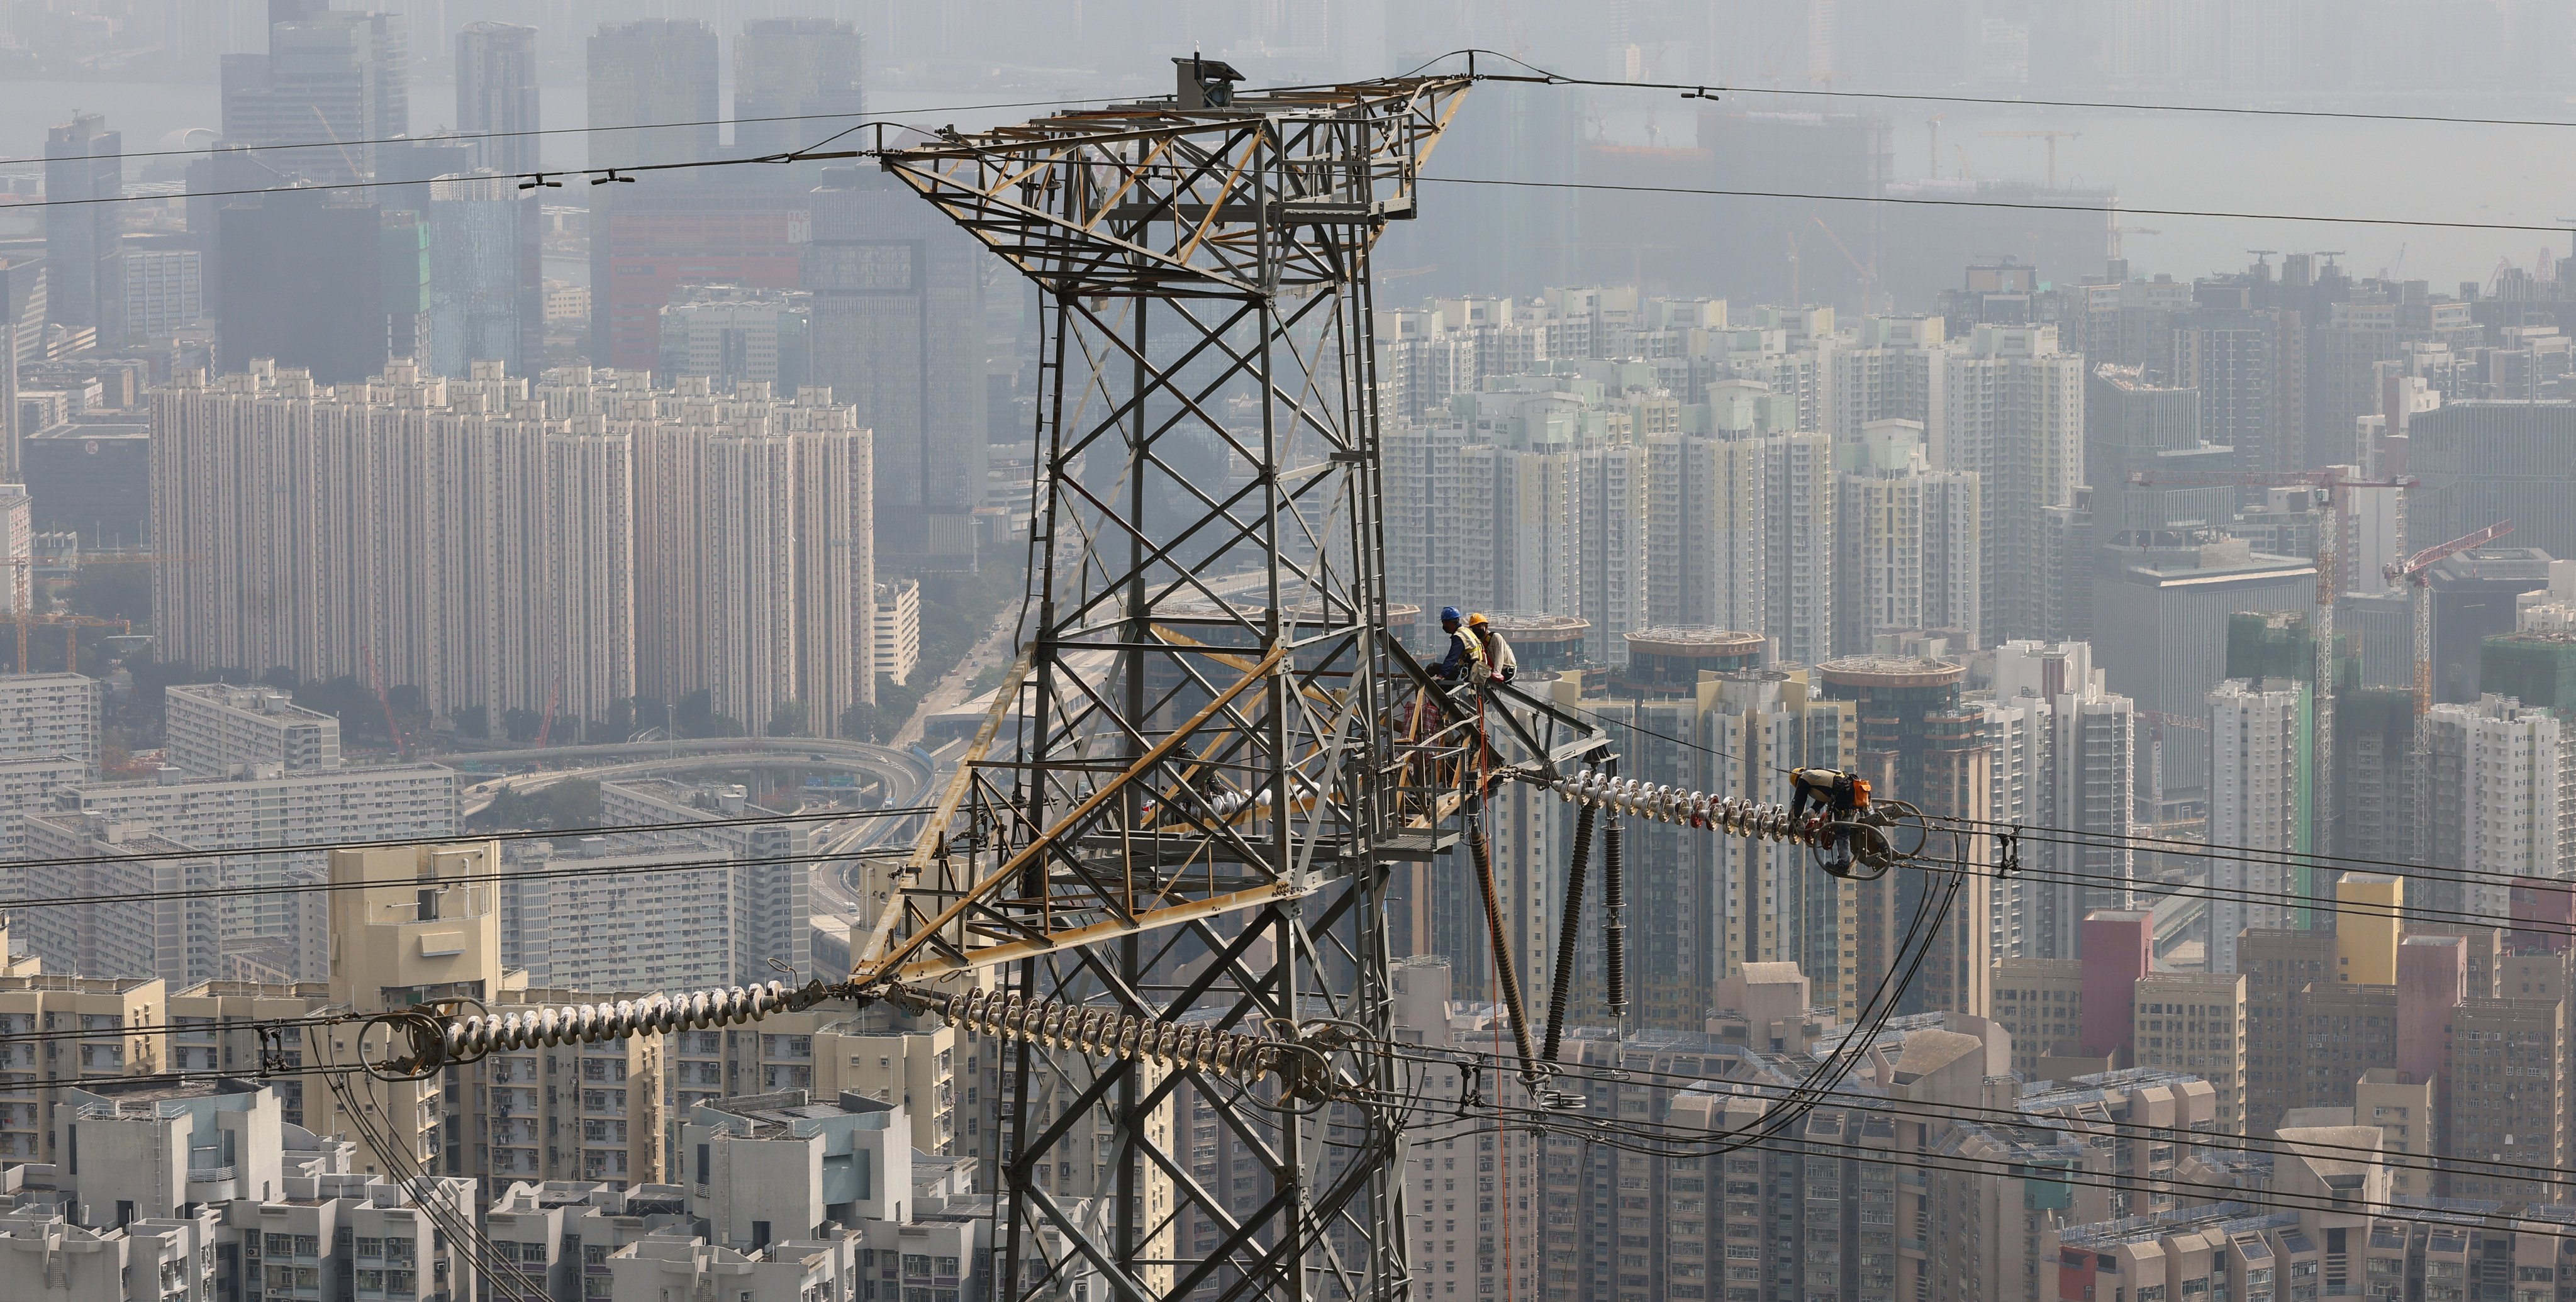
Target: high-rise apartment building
756, 556
177, 937
1525, 556
2258, 776
793, 68
1610, 518
1740, 525
739, 524
1908, 550
496, 94
328, 75
259, 822
2495, 804
49, 716
471, 544
84, 227
1884, 368
2083, 777
1777, 908
1919, 742
899, 336
2012, 415
773, 916
2193, 1023
215, 729
648, 73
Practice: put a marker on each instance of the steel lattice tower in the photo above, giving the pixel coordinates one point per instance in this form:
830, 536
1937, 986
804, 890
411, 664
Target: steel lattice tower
1191, 813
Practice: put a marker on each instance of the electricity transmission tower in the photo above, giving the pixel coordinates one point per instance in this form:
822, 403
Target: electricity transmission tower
1186, 803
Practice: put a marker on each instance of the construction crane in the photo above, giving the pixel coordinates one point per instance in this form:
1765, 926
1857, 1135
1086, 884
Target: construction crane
2052, 137
71, 626
22, 598
2416, 572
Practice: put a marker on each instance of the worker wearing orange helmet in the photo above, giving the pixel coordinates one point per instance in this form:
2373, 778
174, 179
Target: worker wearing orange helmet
1500, 664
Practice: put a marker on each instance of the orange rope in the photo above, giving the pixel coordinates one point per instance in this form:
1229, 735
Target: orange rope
1493, 999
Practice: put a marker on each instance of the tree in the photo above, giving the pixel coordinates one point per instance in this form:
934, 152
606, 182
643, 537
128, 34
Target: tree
699, 719
791, 719
521, 725
572, 803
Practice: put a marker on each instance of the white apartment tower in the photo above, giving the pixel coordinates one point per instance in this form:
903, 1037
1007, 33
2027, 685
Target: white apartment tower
1611, 480
2257, 760
1523, 552
453, 535
1739, 524
2012, 413
49, 716
495, 544
1908, 554
757, 569
2497, 808
1884, 368
1425, 530
2084, 778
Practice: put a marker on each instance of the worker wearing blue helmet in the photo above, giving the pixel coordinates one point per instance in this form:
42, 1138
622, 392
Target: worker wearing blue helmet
1466, 659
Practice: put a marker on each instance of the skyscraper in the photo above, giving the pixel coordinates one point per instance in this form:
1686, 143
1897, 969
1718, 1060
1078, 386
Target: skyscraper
2013, 415
496, 92
84, 240
651, 72
2258, 776
329, 75
2084, 778
792, 67
2493, 805
1908, 555
484, 283
1918, 742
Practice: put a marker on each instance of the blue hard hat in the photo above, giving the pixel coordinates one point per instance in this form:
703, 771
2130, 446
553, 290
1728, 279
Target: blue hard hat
1449, 613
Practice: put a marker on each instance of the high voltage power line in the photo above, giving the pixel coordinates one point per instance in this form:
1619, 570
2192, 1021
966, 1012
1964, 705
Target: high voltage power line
1710, 90
1865, 1102
516, 834
533, 874
817, 152
1619, 1134
1916, 201
2154, 844
448, 137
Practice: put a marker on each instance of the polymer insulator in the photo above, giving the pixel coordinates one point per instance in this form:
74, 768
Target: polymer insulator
531, 1028
1668, 804
1102, 1032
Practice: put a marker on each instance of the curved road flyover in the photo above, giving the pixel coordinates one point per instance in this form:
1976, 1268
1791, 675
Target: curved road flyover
906, 776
